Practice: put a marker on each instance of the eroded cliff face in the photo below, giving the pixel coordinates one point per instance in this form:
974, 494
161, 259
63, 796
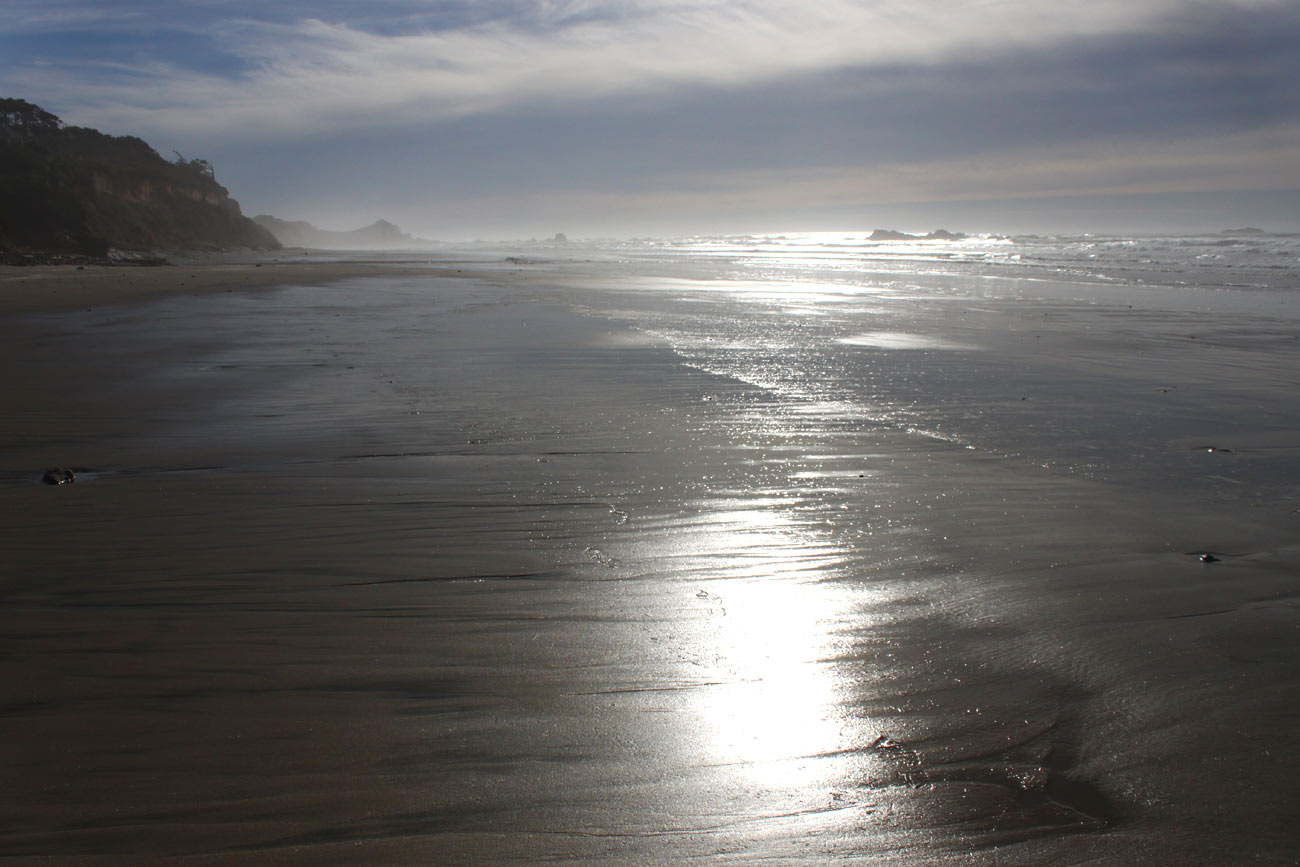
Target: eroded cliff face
76, 190
148, 209
145, 191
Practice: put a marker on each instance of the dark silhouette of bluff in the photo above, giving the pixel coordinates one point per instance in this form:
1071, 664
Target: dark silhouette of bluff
67, 190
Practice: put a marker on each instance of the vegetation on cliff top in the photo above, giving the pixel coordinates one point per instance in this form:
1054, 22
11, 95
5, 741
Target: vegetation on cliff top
73, 190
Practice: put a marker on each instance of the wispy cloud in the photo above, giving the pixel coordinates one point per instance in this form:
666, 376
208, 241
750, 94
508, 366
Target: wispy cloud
295, 77
25, 17
1115, 166
612, 111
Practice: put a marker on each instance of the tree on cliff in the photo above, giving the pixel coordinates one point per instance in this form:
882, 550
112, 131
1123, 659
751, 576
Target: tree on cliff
19, 117
200, 167
77, 190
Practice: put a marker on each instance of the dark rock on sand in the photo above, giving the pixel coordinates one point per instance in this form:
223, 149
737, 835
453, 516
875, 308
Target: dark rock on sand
58, 476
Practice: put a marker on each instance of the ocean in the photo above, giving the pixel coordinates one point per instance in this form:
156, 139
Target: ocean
803, 548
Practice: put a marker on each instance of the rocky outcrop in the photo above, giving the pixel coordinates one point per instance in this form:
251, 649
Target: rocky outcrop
58, 476
936, 235
72, 190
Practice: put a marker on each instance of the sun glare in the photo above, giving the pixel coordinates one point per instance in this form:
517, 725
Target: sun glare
771, 626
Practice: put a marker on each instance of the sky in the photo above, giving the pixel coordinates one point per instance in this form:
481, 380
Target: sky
459, 119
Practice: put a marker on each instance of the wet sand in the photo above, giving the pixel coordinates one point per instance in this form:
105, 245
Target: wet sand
48, 288
433, 569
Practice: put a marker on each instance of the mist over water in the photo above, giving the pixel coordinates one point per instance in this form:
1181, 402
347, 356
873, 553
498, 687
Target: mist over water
1209, 261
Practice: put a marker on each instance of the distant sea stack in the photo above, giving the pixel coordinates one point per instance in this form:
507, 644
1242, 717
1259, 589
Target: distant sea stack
895, 235
68, 190
380, 235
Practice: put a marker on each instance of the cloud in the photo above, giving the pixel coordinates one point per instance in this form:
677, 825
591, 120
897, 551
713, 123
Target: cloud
520, 112
35, 16
1114, 166
289, 78
950, 190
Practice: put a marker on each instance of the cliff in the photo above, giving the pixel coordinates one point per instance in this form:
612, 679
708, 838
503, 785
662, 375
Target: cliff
72, 190
380, 235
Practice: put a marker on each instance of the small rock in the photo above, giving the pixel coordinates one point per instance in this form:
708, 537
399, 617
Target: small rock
58, 476
1207, 557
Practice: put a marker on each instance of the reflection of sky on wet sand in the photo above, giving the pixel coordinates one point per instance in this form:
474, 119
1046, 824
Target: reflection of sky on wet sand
820, 687
802, 710
780, 709
763, 637
768, 633
772, 574
802, 705
899, 340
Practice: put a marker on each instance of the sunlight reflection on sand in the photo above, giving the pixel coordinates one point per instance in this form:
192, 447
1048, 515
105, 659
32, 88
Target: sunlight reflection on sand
901, 340
770, 625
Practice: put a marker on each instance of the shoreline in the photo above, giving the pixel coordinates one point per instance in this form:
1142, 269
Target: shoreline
571, 590
27, 289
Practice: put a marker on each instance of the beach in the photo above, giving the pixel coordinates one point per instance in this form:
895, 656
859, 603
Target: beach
583, 557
